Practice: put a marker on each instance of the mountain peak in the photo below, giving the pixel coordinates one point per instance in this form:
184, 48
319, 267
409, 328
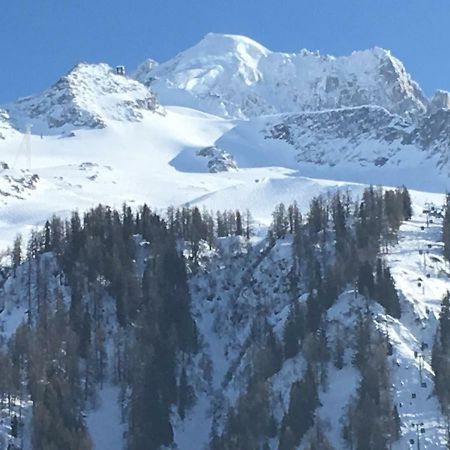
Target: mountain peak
234, 76
89, 96
221, 43
5, 125
439, 100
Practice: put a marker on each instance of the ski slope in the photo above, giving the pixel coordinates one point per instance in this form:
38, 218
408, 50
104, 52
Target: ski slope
417, 327
156, 161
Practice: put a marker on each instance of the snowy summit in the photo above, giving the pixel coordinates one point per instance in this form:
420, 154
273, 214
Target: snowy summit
235, 249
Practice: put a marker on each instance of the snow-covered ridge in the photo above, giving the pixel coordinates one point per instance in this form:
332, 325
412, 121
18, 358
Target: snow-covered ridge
16, 184
369, 140
234, 76
6, 129
89, 96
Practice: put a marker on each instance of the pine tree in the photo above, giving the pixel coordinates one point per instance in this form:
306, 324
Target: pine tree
185, 395
85, 335
294, 331
239, 227
446, 228
299, 418
47, 237
366, 285
444, 323
17, 253
407, 204
14, 426
248, 224
280, 221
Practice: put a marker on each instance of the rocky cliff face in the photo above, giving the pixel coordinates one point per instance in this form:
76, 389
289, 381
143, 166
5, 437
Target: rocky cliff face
5, 125
87, 97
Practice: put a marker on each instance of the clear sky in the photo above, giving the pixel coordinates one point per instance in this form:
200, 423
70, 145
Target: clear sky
40, 40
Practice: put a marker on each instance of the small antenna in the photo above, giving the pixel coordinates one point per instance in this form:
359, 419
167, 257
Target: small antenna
25, 148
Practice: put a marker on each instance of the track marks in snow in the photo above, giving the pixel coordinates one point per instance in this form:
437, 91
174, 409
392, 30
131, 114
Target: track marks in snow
422, 279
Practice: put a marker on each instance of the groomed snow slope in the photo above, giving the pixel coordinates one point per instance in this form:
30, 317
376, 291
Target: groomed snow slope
156, 161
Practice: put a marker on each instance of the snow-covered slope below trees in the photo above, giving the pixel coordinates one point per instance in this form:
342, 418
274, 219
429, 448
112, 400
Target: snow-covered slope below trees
234, 76
422, 278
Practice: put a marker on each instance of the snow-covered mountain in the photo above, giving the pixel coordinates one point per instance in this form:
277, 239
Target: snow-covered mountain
234, 76
359, 118
89, 96
226, 125
6, 130
366, 138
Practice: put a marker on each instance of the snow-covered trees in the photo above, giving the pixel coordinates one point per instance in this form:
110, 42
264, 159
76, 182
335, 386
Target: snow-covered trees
372, 420
16, 255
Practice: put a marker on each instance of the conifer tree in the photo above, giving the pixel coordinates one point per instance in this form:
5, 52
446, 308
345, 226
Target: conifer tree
16, 255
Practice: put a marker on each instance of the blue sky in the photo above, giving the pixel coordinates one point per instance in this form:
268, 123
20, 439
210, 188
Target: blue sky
42, 39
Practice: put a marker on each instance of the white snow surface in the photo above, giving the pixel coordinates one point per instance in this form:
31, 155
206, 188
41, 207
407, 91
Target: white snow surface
89, 96
101, 137
104, 422
234, 76
155, 160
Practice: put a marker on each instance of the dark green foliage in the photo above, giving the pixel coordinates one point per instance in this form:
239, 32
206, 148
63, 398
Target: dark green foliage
372, 421
440, 360
138, 262
366, 283
339, 350
164, 325
357, 233
250, 423
314, 311
49, 357
444, 323
294, 331
269, 358
85, 335
385, 291
446, 229
16, 255
97, 254
318, 216
340, 227
407, 204
186, 396
15, 426
299, 418
318, 439
280, 225
150, 426
239, 226
381, 287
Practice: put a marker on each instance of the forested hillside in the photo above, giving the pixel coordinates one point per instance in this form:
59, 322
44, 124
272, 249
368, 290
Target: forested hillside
209, 332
